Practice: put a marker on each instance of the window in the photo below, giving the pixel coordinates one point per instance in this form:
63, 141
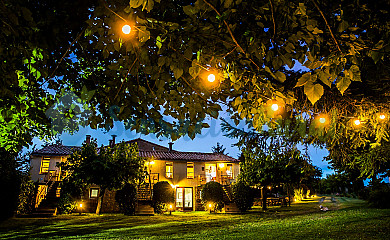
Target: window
45, 162
229, 170
93, 192
169, 169
190, 170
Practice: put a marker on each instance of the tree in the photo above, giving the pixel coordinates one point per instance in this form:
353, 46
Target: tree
218, 149
110, 168
159, 69
270, 159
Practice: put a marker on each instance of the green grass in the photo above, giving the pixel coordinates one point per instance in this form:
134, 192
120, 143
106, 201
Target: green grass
347, 219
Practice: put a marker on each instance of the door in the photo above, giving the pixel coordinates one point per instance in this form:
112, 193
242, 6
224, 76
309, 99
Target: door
184, 198
211, 172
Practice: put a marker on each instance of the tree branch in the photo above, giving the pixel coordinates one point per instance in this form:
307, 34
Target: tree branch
230, 32
273, 19
326, 22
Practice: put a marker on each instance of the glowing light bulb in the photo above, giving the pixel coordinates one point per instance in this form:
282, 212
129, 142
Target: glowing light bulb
126, 29
170, 206
274, 107
322, 120
81, 205
210, 205
211, 77
382, 116
357, 122
221, 165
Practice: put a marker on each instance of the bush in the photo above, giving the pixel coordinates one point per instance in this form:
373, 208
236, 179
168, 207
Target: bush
26, 196
127, 199
71, 191
243, 196
379, 196
9, 183
212, 193
299, 194
163, 194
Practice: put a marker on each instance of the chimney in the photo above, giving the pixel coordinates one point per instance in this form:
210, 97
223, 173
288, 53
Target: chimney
170, 146
88, 139
113, 140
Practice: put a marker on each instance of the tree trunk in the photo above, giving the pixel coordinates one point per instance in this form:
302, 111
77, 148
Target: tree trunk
264, 197
100, 200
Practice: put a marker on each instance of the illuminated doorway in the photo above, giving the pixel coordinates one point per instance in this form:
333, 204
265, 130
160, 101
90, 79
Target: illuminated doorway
184, 196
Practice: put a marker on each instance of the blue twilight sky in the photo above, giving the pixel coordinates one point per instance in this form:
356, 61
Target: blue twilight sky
201, 143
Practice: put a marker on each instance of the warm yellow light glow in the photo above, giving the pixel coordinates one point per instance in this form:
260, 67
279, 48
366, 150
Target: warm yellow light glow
274, 107
269, 187
382, 116
81, 205
211, 77
295, 199
126, 29
152, 162
174, 186
221, 165
170, 206
322, 120
356, 122
210, 205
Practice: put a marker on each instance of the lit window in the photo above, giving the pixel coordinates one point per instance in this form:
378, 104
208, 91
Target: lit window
190, 170
229, 170
45, 162
93, 192
169, 169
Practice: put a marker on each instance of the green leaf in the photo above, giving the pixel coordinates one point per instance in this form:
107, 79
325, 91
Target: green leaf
281, 77
143, 34
177, 72
190, 10
313, 92
228, 3
342, 84
342, 26
136, 3
158, 42
306, 78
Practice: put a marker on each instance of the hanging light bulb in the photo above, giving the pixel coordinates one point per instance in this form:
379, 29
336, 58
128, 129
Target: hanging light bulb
274, 107
357, 122
126, 29
322, 120
211, 77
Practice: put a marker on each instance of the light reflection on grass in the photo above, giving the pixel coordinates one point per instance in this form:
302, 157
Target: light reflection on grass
347, 219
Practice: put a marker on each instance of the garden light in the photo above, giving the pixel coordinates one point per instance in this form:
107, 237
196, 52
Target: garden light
80, 205
126, 29
322, 120
382, 116
170, 209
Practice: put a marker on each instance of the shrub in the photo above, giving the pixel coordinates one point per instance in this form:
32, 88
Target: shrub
379, 196
71, 191
243, 196
212, 193
299, 194
163, 194
26, 196
127, 199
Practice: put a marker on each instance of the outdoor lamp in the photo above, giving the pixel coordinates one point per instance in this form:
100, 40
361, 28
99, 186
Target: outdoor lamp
80, 208
357, 122
274, 107
210, 205
170, 209
211, 78
126, 29
382, 116
322, 120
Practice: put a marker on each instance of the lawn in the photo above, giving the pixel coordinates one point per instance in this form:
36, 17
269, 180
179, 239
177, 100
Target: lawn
346, 219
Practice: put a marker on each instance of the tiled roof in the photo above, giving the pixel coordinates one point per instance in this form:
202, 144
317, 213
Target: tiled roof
145, 150
55, 150
187, 156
